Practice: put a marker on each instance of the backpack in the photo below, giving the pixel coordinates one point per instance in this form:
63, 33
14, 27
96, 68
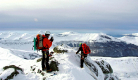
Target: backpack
38, 42
86, 49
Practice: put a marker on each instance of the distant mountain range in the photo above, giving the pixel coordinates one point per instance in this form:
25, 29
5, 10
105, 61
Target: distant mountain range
101, 44
105, 45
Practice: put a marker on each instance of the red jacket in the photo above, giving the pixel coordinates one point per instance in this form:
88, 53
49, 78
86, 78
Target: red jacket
46, 43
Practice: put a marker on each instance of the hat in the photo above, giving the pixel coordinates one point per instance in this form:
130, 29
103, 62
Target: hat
80, 44
47, 32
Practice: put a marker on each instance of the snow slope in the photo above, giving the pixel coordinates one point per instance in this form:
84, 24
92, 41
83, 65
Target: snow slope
8, 58
130, 38
68, 69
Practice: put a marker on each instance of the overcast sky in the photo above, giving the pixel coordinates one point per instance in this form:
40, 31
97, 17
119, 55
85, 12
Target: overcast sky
91, 15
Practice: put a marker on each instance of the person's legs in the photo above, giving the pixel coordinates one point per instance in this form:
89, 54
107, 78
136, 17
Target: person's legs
82, 60
43, 60
47, 60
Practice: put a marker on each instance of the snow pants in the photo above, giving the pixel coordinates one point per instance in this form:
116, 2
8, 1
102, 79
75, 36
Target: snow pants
82, 59
45, 59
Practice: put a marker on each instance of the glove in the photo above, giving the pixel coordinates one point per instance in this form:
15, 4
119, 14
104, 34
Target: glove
52, 39
50, 55
82, 58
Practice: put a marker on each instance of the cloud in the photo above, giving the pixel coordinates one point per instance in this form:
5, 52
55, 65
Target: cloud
37, 4
77, 14
71, 9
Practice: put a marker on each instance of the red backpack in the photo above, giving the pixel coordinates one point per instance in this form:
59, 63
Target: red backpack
86, 49
39, 42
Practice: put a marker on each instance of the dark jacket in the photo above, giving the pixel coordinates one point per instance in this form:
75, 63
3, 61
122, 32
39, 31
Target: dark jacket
80, 49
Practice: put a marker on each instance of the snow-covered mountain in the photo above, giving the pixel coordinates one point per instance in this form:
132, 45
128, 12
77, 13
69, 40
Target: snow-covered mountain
98, 37
16, 49
101, 44
130, 38
8, 36
40, 32
64, 34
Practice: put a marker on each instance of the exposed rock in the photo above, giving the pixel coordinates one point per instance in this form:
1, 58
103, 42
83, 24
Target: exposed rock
106, 68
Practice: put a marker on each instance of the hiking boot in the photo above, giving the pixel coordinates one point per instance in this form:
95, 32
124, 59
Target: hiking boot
49, 70
81, 66
44, 69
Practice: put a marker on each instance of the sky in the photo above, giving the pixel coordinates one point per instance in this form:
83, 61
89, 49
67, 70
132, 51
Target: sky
78, 15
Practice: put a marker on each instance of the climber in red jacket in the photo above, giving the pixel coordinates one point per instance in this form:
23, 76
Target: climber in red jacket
47, 43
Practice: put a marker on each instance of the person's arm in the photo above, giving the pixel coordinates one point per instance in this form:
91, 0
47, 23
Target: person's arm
47, 43
78, 50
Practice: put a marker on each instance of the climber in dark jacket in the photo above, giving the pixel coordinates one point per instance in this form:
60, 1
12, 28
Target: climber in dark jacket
82, 55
